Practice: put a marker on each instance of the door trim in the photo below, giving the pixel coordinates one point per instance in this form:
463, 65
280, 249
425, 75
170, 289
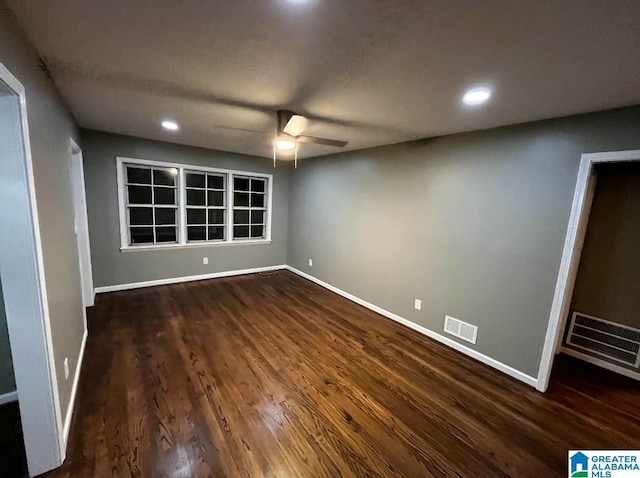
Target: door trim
576, 232
25, 293
81, 224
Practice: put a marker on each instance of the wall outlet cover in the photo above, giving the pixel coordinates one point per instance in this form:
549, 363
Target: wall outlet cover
418, 304
66, 368
205, 260
310, 262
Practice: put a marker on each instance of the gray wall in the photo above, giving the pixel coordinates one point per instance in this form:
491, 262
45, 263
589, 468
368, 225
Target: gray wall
50, 126
113, 267
608, 280
473, 224
7, 382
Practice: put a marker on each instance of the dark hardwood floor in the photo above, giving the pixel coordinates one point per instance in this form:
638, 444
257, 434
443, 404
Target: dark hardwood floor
274, 376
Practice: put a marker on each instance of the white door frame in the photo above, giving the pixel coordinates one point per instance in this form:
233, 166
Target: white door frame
81, 224
23, 281
582, 200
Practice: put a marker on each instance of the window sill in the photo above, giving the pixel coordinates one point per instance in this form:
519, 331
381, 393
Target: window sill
189, 246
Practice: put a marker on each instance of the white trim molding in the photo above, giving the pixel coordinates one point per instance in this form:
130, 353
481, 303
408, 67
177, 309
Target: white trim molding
181, 205
517, 374
8, 397
24, 288
574, 240
81, 221
176, 280
74, 390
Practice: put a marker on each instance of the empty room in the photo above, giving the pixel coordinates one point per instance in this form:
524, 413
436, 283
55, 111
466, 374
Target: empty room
312, 238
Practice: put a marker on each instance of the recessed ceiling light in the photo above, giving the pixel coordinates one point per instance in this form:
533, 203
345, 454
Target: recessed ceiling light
170, 125
285, 144
476, 96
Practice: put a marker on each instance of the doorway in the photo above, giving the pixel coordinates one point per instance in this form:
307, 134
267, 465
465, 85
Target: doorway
574, 242
81, 224
23, 286
604, 319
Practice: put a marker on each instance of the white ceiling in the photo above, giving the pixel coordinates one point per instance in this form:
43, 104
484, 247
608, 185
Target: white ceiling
371, 72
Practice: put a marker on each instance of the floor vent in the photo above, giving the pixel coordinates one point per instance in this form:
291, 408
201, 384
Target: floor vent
609, 340
460, 329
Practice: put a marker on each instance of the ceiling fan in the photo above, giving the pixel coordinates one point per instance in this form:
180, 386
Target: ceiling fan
290, 127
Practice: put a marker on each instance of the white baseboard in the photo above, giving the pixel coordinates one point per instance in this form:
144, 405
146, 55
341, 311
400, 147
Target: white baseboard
176, 280
8, 397
517, 374
601, 363
74, 390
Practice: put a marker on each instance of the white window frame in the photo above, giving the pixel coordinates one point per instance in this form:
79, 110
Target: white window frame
121, 163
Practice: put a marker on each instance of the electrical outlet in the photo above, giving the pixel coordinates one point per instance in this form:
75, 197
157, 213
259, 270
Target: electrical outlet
66, 368
205, 260
418, 304
310, 262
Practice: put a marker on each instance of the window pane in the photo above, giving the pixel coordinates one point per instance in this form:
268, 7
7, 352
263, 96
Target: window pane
241, 217
257, 217
164, 195
196, 216
241, 199
138, 175
166, 177
215, 182
216, 216
166, 234
216, 233
240, 232
241, 184
195, 197
139, 194
140, 216
215, 198
197, 233
257, 231
141, 235
257, 185
257, 200
165, 216
195, 180
153, 196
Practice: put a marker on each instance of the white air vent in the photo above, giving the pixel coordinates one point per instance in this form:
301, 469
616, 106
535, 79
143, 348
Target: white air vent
610, 340
460, 329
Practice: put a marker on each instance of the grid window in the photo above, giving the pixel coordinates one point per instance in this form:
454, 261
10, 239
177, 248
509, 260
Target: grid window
249, 207
164, 204
206, 206
151, 204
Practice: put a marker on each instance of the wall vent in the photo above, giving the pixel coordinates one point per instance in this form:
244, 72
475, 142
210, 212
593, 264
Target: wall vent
460, 329
615, 342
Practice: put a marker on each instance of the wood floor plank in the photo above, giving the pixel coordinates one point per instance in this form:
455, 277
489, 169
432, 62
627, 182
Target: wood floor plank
272, 375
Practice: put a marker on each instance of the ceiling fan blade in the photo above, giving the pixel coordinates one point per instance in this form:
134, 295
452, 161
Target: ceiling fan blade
296, 125
324, 141
283, 117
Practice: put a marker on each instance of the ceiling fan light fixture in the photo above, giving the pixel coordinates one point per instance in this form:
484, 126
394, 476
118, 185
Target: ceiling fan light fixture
285, 144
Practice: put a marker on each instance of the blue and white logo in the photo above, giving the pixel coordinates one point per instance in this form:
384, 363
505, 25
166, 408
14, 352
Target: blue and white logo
604, 464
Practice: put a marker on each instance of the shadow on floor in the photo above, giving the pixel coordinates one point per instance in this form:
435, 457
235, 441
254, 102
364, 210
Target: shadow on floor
13, 462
